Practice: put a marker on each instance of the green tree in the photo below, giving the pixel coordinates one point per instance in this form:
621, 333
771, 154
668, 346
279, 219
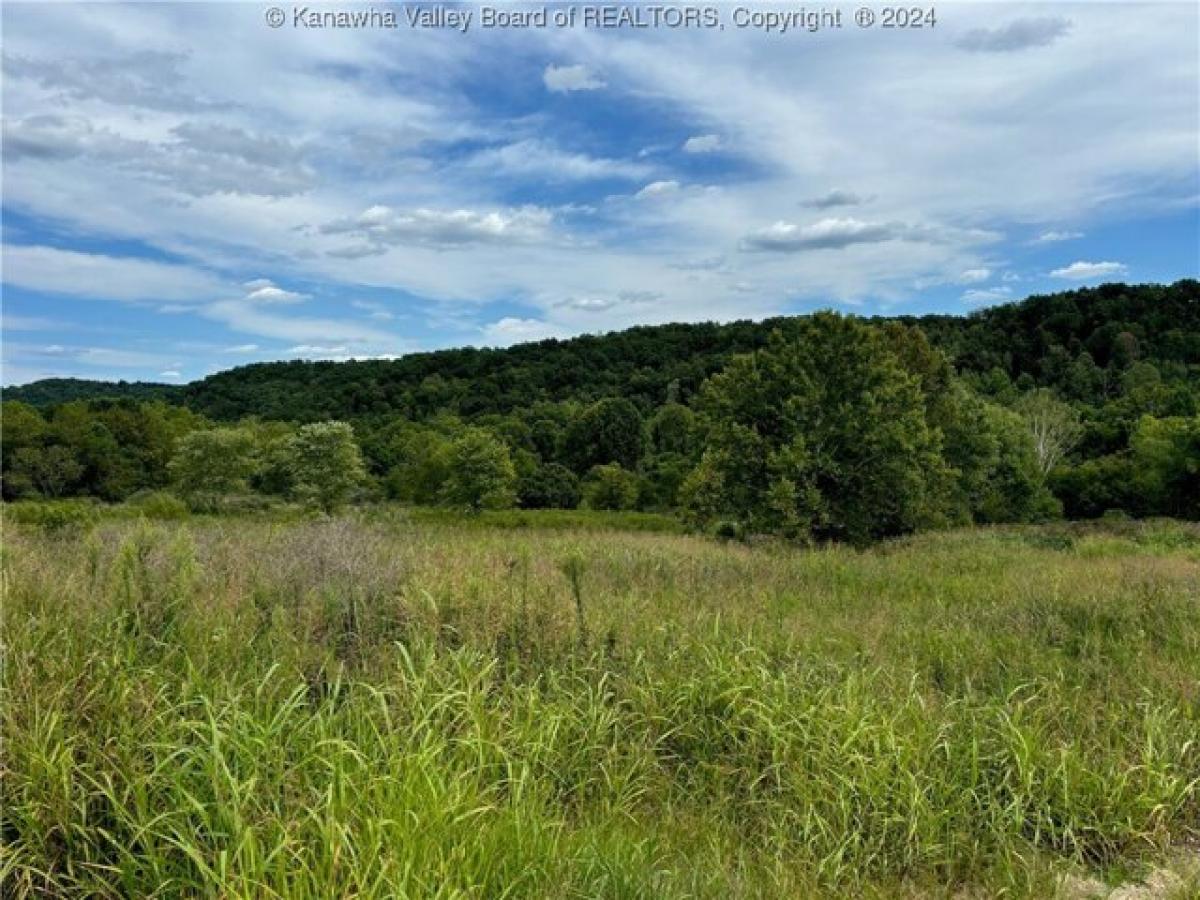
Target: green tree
608, 431
420, 464
821, 435
672, 429
481, 474
212, 463
549, 486
52, 470
1166, 455
24, 432
610, 487
325, 464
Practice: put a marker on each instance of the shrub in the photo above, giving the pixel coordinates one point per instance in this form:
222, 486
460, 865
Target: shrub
610, 487
58, 518
159, 505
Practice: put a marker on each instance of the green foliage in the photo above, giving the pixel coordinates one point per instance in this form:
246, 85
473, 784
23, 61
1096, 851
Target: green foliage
608, 431
673, 429
822, 435
211, 463
52, 471
54, 518
1083, 367
995, 472
549, 486
159, 505
325, 464
610, 487
1166, 457
480, 472
433, 708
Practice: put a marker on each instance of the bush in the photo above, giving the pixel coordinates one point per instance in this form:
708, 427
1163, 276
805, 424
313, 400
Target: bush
159, 505
610, 487
58, 518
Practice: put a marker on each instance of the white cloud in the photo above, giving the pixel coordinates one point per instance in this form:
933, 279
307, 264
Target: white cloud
565, 79
173, 374
987, 295
242, 348
264, 291
316, 350
823, 235
250, 318
95, 276
657, 189
974, 276
204, 153
543, 161
381, 226
1086, 271
702, 143
513, 330
1054, 237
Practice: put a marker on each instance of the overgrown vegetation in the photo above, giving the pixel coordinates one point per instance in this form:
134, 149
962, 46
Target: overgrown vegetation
828, 427
388, 705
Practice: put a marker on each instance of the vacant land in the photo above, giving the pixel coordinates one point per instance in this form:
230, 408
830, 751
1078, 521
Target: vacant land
391, 706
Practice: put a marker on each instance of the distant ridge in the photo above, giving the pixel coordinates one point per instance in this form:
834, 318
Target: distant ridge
1034, 337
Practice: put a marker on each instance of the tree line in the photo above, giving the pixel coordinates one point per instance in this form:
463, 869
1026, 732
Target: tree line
831, 428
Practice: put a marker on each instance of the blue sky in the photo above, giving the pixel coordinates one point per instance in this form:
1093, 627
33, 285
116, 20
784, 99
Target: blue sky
186, 189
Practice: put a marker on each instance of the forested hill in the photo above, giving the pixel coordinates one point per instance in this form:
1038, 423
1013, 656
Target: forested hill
1076, 342
51, 391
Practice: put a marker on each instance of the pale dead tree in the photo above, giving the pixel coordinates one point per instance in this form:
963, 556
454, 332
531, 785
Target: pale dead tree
1055, 427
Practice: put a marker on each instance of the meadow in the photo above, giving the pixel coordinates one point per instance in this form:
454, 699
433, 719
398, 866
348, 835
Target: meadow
389, 704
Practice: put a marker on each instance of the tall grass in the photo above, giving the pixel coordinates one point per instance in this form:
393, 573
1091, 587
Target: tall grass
238, 708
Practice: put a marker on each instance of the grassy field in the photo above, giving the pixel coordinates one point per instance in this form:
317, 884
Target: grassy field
400, 706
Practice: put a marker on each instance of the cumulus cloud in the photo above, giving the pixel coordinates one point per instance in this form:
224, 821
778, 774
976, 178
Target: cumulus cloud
834, 198
827, 234
173, 374
974, 276
241, 348
515, 330
702, 143
262, 290
382, 227
1086, 271
836, 234
1019, 34
565, 79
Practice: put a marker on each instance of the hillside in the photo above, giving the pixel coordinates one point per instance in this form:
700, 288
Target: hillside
51, 391
1065, 340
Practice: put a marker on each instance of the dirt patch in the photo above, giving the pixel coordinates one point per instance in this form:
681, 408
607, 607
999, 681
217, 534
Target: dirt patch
1180, 880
